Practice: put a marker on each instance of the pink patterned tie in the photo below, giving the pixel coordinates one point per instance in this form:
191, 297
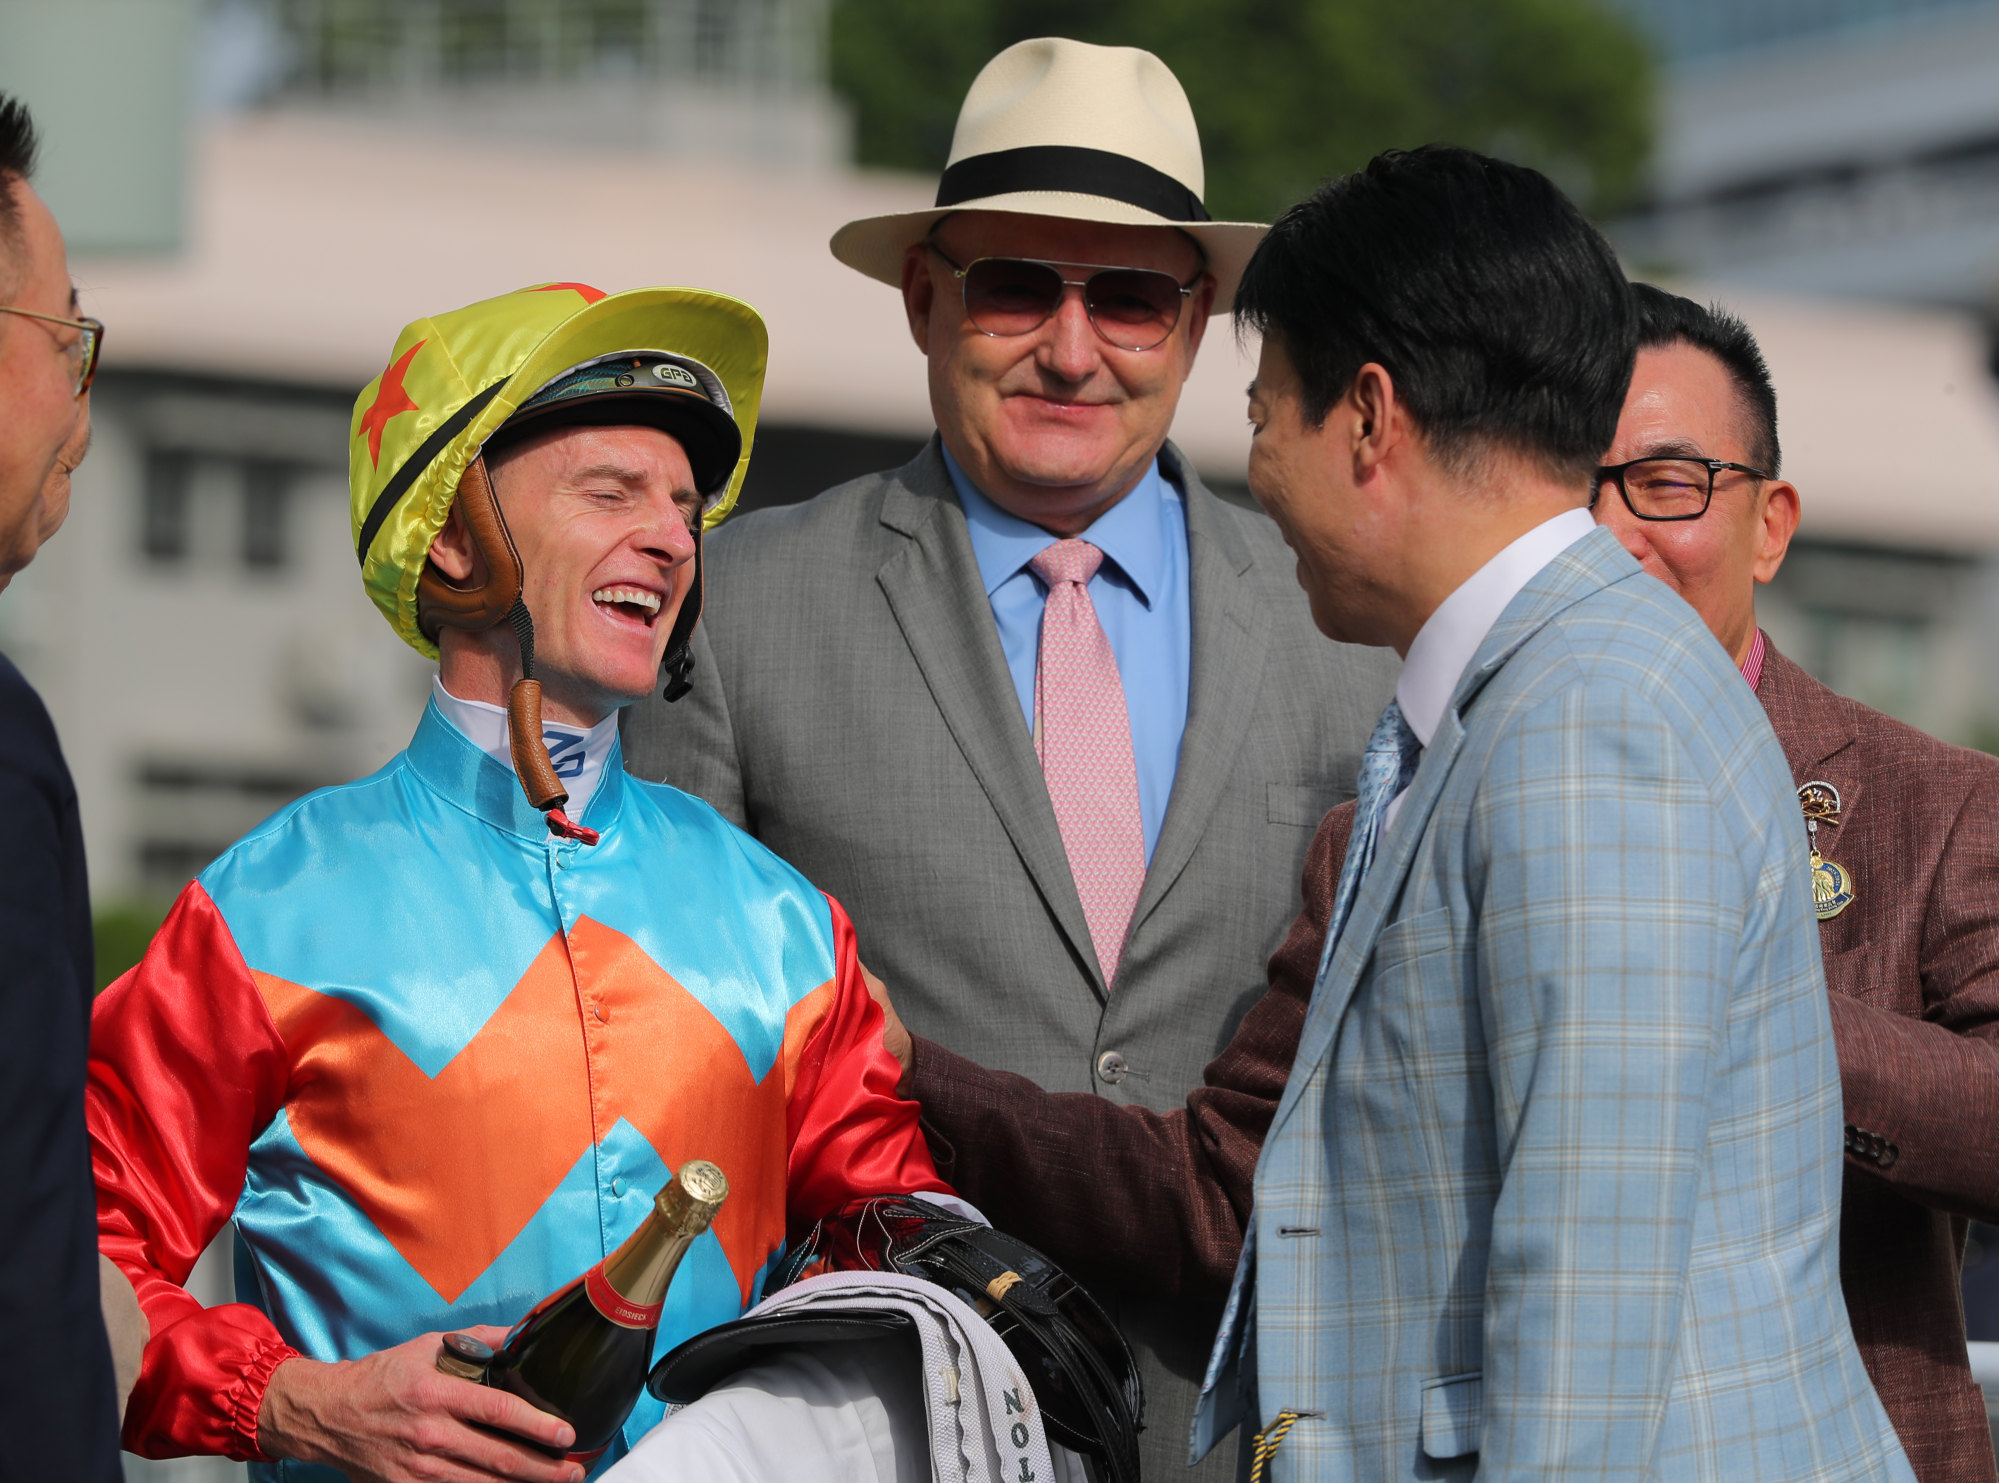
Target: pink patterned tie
1083, 737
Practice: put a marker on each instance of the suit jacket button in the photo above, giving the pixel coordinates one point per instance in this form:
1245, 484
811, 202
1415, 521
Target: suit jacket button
1111, 1068
1889, 1153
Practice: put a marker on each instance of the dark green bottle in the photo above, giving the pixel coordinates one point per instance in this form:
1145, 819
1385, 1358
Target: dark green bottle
583, 1352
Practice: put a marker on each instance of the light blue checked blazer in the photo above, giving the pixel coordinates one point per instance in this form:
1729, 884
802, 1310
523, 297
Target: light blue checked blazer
1554, 1189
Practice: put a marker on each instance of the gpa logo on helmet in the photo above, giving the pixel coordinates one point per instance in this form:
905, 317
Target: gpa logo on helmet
671, 375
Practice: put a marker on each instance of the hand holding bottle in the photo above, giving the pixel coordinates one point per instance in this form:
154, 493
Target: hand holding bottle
583, 1352
392, 1418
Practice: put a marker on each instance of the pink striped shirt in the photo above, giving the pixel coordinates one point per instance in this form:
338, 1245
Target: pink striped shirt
1752, 666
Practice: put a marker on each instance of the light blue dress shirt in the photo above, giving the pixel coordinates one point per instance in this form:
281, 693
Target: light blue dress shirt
1142, 599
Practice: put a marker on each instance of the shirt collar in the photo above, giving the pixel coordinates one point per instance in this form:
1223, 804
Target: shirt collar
1131, 533
1447, 642
460, 749
1752, 662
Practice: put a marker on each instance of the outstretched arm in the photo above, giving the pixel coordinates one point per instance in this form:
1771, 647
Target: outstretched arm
1122, 1195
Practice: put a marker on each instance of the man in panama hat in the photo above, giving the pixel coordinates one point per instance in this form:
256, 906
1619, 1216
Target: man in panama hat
431, 1041
1049, 717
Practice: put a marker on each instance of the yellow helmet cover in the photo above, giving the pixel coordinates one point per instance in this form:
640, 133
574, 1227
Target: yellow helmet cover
455, 378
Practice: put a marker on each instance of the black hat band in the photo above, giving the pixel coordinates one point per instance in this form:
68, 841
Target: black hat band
1068, 167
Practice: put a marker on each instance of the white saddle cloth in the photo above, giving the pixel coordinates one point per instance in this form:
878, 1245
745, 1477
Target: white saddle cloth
862, 1411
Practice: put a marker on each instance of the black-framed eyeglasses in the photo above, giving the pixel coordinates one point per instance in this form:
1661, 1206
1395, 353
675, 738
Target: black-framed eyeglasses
1131, 308
82, 351
1668, 488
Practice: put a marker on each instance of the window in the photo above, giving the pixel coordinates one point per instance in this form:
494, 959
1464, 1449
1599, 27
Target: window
266, 491
163, 517
201, 509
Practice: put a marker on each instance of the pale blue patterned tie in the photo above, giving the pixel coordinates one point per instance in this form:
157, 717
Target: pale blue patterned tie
1385, 770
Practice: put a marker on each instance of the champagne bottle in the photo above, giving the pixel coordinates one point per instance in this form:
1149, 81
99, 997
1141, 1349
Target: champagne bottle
583, 1352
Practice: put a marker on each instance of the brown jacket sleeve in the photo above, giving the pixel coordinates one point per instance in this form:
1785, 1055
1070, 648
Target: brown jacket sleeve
1930, 1086
1121, 1195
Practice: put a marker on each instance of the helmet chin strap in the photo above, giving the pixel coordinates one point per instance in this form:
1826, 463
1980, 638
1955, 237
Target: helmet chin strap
677, 664
442, 603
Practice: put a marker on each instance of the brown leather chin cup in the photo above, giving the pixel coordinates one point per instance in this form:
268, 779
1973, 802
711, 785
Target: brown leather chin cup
442, 603
531, 761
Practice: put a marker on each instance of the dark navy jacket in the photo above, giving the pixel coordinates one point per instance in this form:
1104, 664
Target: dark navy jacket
57, 1410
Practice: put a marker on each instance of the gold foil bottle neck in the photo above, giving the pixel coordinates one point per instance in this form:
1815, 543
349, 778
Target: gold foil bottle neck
691, 1198
641, 1269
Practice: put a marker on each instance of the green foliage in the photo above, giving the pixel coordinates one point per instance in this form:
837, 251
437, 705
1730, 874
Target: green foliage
121, 933
1289, 92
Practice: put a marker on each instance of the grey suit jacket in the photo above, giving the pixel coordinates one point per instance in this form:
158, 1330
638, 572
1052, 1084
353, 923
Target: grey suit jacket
852, 709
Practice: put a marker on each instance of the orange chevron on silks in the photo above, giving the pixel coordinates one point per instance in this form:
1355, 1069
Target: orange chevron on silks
389, 1135
431, 1062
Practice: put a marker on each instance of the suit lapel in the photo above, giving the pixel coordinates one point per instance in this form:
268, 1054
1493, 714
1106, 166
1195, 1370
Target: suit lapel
934, 590
1814, 726
1231, 631
1379, 890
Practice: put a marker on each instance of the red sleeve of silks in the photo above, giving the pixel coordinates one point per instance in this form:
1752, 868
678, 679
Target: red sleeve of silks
851, 1135
186, 1069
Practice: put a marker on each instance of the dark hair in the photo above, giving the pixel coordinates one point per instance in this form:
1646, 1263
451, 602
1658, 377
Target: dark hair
17, 163
1668, 319
1501, 314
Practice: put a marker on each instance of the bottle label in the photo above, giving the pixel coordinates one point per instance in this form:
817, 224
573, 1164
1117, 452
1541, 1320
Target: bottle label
615, 1306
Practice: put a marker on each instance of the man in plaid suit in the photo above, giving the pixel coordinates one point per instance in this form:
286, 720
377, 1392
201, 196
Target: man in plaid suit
1553, 1189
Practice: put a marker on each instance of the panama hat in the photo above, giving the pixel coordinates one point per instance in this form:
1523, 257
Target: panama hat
1061, 128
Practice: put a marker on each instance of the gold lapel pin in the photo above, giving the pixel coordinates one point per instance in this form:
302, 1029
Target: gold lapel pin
1832, 883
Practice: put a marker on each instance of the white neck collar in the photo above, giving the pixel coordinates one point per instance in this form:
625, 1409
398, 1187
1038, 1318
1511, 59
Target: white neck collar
1449, 641
579, 755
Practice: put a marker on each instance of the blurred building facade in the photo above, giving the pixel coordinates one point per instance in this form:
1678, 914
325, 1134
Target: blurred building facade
716, 79
1847, 148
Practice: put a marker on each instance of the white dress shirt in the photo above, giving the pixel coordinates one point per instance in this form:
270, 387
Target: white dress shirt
1449, 640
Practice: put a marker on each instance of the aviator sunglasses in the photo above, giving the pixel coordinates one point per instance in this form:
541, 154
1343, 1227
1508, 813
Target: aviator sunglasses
1130, 308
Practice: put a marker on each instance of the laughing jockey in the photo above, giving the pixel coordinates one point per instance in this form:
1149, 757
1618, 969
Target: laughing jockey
432, 1040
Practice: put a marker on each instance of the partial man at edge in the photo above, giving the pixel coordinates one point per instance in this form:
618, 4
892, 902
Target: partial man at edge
58, 1403
1044, 713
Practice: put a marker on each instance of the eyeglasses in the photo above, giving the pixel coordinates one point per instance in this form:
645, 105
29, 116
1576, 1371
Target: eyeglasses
82, 351
1131, 308
1668, 488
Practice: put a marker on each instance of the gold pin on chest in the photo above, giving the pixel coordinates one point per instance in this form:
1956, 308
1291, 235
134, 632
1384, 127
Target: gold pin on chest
1832, 883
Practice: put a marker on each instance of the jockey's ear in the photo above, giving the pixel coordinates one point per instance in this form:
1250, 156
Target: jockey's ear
453, 552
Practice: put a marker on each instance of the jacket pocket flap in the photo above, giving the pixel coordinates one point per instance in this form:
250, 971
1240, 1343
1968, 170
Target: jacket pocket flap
1453, 1415
1301, 803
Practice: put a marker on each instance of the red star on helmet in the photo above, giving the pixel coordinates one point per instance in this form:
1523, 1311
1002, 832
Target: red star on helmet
390, 401
590, 295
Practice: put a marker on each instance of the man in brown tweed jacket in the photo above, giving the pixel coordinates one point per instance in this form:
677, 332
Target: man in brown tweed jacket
1124, 1195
